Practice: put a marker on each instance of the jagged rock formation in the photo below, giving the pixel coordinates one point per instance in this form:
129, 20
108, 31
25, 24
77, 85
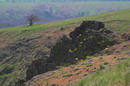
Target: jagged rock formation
86, 25
39, 67
87, 39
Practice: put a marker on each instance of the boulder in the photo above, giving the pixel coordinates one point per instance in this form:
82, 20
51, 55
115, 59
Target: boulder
39, 67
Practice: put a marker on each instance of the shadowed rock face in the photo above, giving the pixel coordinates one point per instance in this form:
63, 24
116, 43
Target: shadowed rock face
87, 39
39, 67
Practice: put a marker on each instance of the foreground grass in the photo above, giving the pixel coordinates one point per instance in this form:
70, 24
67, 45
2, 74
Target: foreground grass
118, 21
114, 76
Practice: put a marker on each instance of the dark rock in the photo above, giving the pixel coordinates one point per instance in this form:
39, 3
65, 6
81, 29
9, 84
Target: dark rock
95, 25
39, 67
50, 37
60, 50
88, 39
20, 83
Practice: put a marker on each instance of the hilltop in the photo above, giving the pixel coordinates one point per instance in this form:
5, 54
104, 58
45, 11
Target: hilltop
15, 14
22, 46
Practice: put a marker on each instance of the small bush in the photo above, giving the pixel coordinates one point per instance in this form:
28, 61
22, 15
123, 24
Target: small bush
62, 28
102, 67
106, 63
95, 68
101, 59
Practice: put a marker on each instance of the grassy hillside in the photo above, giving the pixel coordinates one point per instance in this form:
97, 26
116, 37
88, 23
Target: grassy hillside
118, 21
17, 60
114, 76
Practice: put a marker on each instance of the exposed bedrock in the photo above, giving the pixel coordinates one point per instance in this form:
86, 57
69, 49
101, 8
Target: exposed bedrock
87, 39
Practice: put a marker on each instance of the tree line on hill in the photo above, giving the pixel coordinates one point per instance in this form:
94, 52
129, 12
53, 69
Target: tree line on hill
33, 1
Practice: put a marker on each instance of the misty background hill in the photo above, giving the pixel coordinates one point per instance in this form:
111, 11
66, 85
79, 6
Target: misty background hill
26, 1
15, 14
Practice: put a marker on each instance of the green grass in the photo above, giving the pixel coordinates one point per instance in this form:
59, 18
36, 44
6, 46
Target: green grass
118, 21
114, 76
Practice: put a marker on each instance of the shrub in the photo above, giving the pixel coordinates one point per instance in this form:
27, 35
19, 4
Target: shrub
62, 28
106, 63
102, 67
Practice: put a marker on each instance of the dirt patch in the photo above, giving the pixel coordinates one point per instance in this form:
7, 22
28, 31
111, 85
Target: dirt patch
3, 42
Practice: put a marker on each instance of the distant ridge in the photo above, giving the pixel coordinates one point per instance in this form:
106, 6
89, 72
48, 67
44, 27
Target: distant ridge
34, 1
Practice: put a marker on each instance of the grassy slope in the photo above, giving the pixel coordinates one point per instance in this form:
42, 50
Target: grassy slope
120, 19
115, 76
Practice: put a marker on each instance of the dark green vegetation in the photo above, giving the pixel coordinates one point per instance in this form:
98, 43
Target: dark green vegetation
113, 76
13, 65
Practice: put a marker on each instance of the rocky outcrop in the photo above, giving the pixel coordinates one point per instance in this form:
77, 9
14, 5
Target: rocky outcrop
39, 67
87, 39
86, 25
60, 51
20, 83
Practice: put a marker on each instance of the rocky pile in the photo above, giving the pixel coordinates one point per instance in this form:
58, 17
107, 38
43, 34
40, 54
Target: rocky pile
87, 39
